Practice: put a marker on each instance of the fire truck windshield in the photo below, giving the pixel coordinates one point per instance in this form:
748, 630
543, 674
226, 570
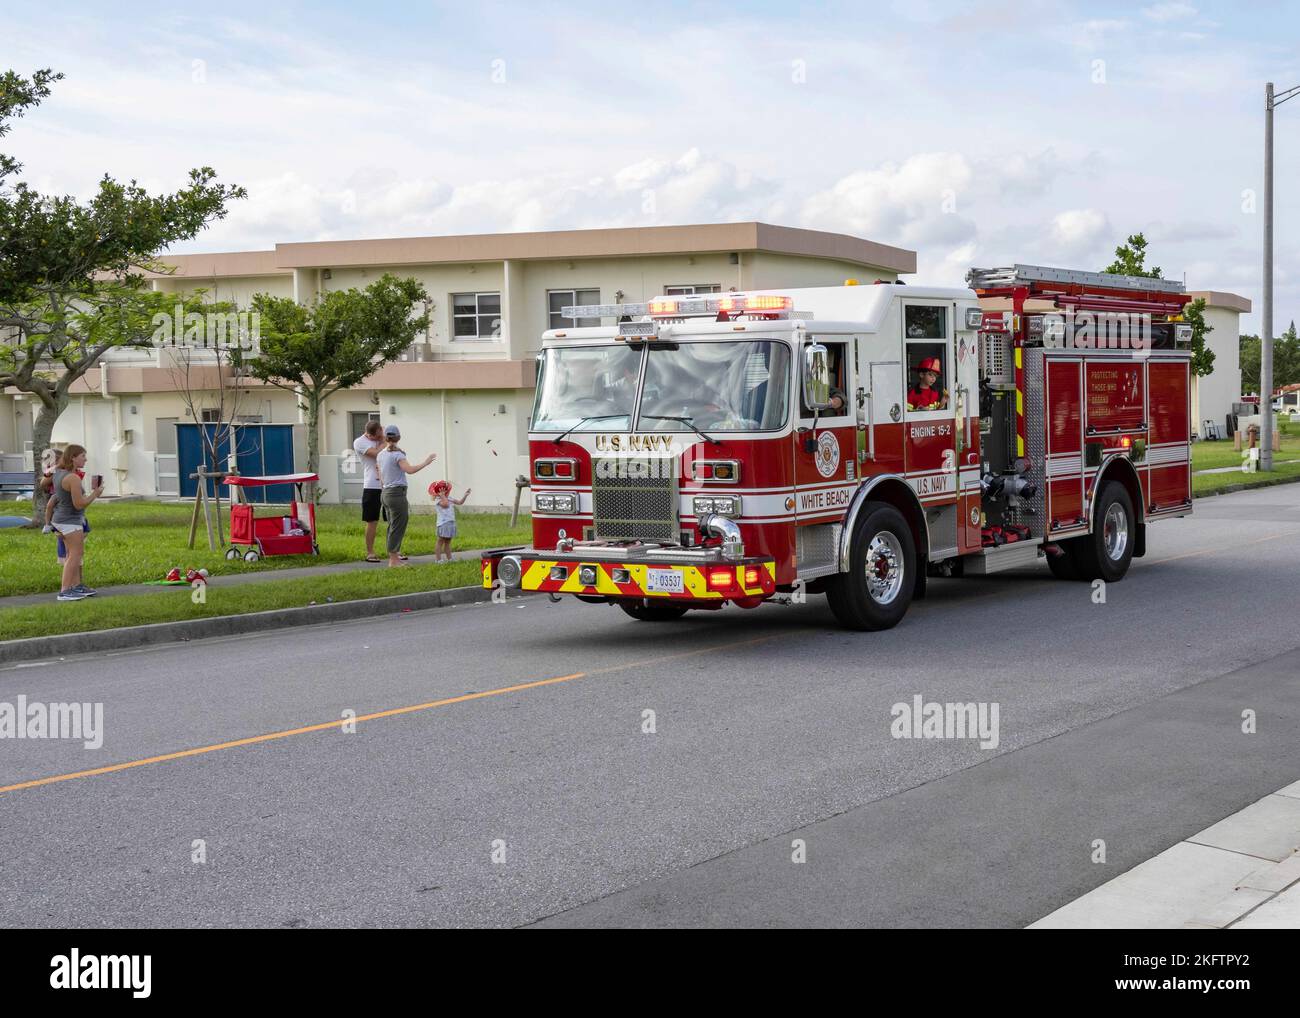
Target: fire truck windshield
587, 388
723, 386
727, 386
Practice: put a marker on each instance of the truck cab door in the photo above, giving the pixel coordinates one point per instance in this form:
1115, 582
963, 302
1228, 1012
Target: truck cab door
825, 444
930, 435
879, 400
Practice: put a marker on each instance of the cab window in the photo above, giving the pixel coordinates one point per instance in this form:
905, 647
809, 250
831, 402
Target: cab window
837, 361
927, 376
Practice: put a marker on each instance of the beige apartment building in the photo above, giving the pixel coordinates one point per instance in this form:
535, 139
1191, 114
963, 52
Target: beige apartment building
465, 389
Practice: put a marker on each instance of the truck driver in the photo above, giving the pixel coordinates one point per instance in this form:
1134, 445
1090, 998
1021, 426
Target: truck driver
924, 395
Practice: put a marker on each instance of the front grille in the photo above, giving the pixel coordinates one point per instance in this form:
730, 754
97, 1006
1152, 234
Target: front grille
634, 500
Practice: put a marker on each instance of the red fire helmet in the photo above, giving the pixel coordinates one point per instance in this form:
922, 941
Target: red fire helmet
930, 364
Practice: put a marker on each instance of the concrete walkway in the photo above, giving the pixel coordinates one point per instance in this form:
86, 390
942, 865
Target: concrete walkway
1242, 873
1237, 469
237, 579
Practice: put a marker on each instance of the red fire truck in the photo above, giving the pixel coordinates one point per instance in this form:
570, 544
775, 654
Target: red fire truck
693, 452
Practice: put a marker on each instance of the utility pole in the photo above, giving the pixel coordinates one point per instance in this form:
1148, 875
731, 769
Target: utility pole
1271, 101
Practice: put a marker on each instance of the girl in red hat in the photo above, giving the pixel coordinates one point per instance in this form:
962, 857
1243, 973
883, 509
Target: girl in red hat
924, 395
445, 506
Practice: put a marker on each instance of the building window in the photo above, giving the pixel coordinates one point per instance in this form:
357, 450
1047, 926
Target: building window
689, 289
475, 315
557, 299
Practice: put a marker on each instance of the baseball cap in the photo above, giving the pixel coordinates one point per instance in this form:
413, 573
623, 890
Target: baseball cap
392, 432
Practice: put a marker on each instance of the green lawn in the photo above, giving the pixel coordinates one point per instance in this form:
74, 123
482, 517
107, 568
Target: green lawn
1210, 455
132, 542
1210, 484
175, 604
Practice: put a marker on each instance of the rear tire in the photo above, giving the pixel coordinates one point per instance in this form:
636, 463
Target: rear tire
1105, 554
876, 591
643, 612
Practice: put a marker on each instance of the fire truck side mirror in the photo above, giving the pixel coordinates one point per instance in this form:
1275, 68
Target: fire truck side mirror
816, 378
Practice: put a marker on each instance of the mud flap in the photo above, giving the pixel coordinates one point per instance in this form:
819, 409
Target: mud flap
918, 588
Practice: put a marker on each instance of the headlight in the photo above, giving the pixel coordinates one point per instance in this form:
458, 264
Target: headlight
550, 502
723, 505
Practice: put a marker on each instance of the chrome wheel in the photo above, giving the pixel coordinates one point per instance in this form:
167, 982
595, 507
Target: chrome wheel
1115, 531
884, 567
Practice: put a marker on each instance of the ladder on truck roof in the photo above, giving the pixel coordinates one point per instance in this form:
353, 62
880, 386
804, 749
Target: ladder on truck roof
1033, 276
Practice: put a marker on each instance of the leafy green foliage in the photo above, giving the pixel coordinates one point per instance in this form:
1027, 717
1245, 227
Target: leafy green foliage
1130, 258
1202, 356
71, 274
1286, 360
336, 342
16, 95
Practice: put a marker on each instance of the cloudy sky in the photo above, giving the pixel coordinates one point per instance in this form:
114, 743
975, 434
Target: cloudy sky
976, 133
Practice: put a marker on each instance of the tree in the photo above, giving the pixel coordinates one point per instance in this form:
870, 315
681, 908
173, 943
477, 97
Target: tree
212, 381
1286, 358
1202, 356
1130, 257
335, 343
1249, 363
71, 282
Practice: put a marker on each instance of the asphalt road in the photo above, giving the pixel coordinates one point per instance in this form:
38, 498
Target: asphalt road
1119, 722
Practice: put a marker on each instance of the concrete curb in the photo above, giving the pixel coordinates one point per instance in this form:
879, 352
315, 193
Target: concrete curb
98, 640
1242, 872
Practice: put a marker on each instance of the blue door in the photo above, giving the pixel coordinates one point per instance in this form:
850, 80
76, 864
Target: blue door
260, 450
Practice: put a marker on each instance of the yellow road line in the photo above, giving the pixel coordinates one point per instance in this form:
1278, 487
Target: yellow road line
271, 736
392, 712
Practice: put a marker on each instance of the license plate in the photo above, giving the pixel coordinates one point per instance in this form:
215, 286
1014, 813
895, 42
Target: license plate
664, 581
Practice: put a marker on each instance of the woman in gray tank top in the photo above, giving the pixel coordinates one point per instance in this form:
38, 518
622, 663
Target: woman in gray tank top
393, 468
70, 501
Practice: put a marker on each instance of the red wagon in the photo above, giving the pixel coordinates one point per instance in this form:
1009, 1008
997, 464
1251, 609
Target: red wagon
294, 534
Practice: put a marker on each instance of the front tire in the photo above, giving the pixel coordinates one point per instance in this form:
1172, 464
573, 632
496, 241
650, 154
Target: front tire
876, 591
1105, 553
649, 612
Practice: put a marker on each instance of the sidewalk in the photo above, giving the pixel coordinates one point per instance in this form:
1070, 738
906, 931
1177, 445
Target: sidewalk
235, 579
1241, 873
1237, 469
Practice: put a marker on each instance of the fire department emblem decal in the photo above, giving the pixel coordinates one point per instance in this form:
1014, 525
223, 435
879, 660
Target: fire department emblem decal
828, 454
895, 412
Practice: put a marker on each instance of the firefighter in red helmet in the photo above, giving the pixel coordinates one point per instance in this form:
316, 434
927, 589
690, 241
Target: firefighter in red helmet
925, 395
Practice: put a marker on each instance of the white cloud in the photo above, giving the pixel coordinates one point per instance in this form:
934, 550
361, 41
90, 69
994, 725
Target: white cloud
913, 203
1174, 11
694, 187
1080, 232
